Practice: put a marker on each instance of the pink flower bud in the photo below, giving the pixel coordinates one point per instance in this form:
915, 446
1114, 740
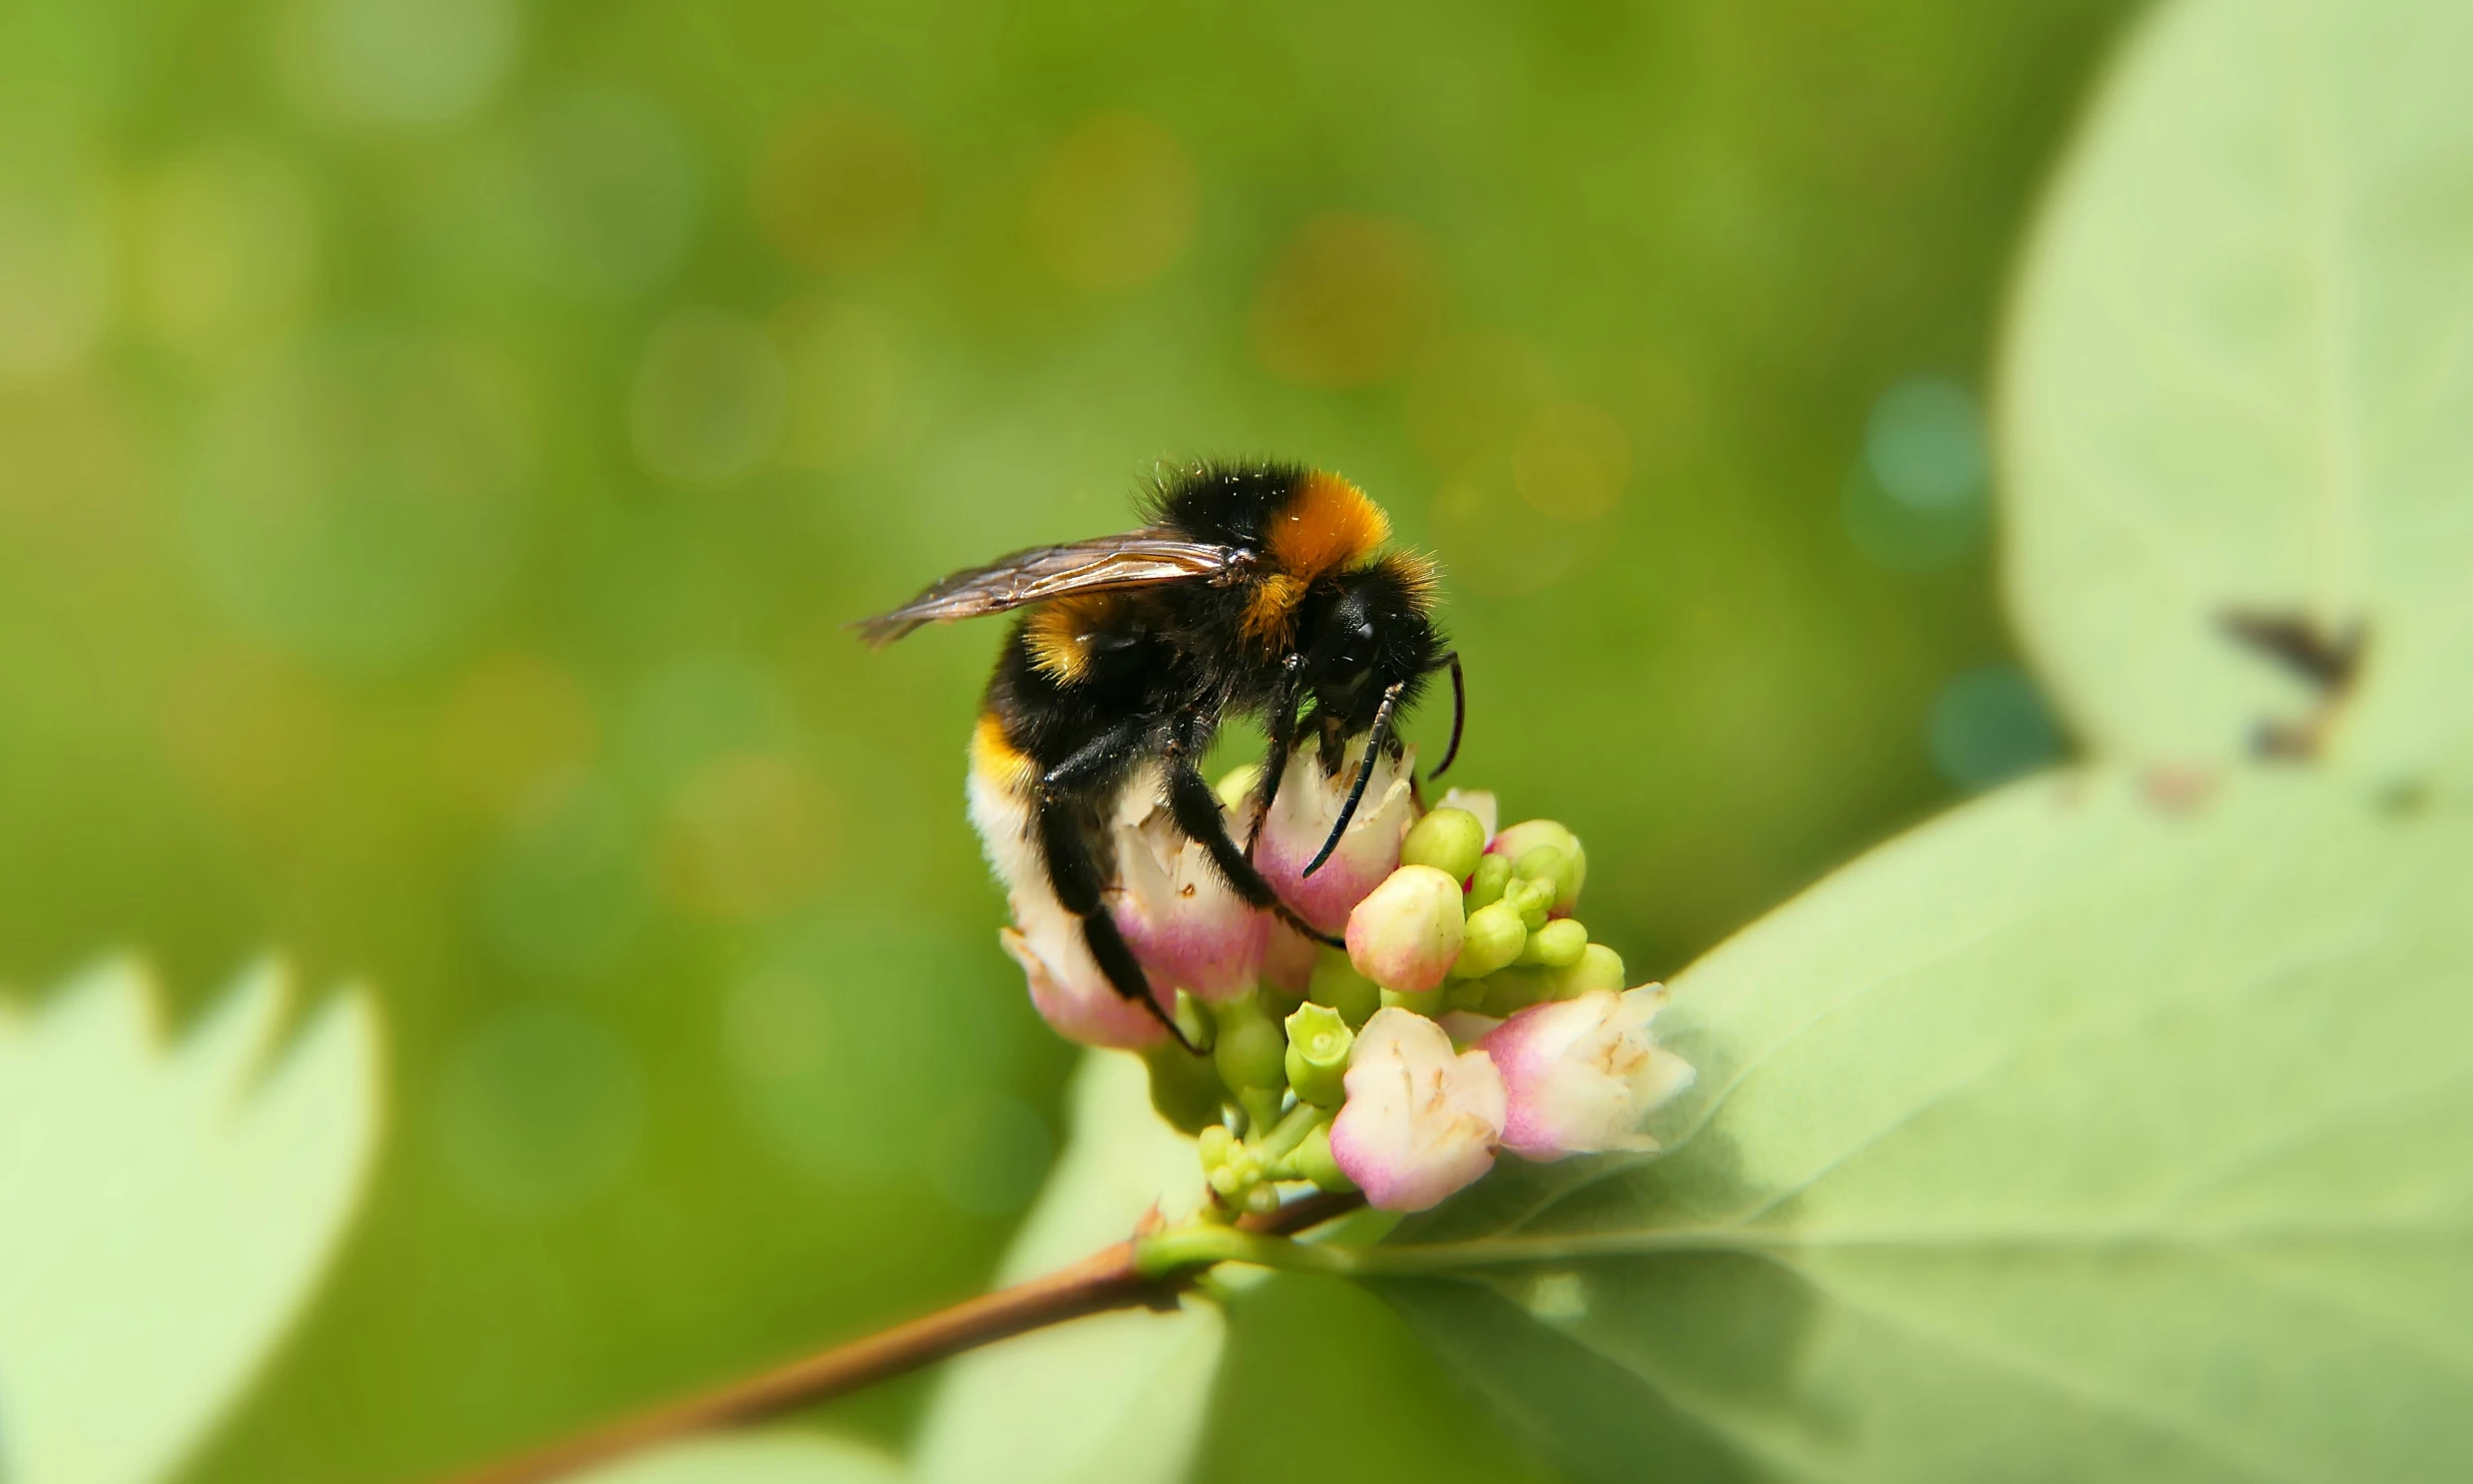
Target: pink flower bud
1188, 929
1301, 818
1405, 935
1421, 1120
1066, 986
1578, 1075
1287, 962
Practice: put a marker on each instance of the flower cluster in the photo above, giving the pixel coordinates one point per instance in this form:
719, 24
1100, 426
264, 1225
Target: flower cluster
1470, 1016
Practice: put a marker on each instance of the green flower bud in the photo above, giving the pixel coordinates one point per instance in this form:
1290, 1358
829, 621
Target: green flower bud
1224, 1182
1518, 987
1317, 1056
1250, 1050
1599, 967
1540, 863
1493, 939
1519, 839
1262, 1109
1214, 1144
1452, 841
1486, 882
1238, 786
1263, 1200
1532, 899
1193, 1018
1312, 1160
1185, 1088
1557, 945
1337, 983
1509, 991
1429, 1004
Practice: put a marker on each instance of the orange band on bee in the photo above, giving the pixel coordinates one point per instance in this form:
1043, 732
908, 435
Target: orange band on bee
1327, 526
1059, 634
994, 757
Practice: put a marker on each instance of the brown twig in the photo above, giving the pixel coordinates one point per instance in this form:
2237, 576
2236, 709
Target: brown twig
1105, 1280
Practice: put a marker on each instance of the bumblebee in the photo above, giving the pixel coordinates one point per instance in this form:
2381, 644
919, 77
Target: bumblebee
1251, 590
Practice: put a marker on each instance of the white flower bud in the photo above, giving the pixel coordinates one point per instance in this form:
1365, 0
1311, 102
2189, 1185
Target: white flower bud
1301, 819
1421, 1119
1578, 1075
1406, 934
1185, 924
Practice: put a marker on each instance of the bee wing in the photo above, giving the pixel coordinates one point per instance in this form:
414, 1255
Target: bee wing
1137, 559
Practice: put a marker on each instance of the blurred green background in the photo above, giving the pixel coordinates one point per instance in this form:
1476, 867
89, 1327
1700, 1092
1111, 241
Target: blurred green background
440, 439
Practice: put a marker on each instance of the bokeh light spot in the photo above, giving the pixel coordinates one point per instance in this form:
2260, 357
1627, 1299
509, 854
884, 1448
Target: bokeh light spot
695, 709
55, 266
1469, 400
1902, 535
749, 835
1572, 461
1924, 443
1496, 546
1113, 205
989, 1154
1349, 301
540, 1110
75, 488
562, 893
512, 722
597, 193
841, 187
854, 1040
227, 247
249, 737
851, 384
1915, 500
360, 498
1989, 725
397, 64
709, 397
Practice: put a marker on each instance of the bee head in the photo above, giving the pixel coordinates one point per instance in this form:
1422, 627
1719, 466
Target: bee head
1370, 630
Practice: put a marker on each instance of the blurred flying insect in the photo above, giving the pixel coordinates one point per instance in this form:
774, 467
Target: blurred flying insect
1251, 590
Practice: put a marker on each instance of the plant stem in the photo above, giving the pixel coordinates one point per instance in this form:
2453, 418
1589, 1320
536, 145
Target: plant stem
1116, 1278
1291, 1130
1188, 1249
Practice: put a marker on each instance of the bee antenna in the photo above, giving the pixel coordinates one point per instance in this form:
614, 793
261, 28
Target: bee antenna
1374, 739
1459, 713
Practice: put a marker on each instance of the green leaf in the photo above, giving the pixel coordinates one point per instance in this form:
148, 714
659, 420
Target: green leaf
2237, 375
785, 1456
2065, 1138
165, 1211
1118, 1396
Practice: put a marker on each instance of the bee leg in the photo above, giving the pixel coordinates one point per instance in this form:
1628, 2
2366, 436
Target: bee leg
1283, 741
1197, 812
1075, 875
1459, 715
1081, 885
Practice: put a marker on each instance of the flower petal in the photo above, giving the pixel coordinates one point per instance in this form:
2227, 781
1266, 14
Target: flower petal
1421, 1117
